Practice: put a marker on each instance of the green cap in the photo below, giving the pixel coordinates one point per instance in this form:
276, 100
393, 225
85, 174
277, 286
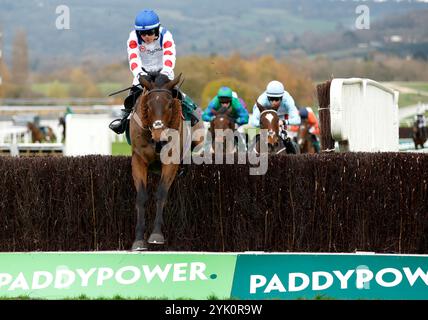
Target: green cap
224, 92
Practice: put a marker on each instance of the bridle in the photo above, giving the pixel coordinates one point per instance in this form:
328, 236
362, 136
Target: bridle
158, 124
271, 133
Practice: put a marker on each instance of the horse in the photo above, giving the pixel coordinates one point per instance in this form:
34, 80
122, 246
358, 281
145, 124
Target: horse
41, 134
305, 138
222, 121
420, 135
269, 120
156, 111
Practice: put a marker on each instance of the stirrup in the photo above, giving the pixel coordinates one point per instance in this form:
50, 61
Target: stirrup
118, 126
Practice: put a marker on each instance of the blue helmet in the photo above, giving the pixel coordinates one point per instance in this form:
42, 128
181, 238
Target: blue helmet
146, 20
303, 113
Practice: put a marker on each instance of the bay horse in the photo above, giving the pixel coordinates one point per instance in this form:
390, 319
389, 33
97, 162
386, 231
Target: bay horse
304, 138
41, 134
222, 121
155, 111
420, 135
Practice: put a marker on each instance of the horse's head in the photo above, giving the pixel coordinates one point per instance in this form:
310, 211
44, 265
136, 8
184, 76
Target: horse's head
223, 119
31, 126
159, 109
269, 121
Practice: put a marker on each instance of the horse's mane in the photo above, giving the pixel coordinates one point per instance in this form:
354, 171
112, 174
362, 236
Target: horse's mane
176, 114
144, 112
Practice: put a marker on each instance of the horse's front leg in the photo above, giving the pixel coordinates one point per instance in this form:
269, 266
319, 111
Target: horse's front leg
169, 172
139, 173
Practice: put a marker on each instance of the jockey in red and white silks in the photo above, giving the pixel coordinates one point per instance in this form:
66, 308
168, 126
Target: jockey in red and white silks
153, 57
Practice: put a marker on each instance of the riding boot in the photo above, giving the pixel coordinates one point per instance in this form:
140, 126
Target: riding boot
316, 144
189, 107
119, 125
290, 147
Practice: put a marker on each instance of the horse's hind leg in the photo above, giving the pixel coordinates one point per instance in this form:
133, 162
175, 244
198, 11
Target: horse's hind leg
139, 173
169, 172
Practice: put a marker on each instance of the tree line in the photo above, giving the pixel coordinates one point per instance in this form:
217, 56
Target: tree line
203, 75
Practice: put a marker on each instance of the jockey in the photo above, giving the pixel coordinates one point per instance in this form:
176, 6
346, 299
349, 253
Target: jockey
275, 97
307, 114
226, 98
151, 53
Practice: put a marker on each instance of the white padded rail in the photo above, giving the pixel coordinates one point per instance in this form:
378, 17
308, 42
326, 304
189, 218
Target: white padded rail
364, 115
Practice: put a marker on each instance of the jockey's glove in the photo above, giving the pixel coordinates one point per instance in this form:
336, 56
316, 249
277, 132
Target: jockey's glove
142, 75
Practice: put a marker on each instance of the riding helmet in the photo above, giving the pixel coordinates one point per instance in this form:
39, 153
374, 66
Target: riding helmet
303, 113
225, 93
146, 20
275, 89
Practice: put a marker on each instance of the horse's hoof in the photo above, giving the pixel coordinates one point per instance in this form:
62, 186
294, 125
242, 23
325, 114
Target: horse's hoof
139, 245
156, 238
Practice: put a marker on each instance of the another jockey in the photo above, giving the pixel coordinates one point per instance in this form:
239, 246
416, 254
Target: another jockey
225, 99
275, 97
307, 114
151, 53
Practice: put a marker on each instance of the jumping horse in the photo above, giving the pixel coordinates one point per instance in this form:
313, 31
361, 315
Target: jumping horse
277, 143
156, 110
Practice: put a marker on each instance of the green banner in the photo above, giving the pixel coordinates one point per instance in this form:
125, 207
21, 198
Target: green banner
190, 275
60, 275
337, 276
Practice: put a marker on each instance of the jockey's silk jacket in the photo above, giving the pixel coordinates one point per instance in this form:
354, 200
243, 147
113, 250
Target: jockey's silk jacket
312, 121
156, 56
238, 113
287, 107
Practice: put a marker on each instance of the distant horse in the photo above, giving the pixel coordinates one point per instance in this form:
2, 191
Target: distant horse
420, 135
41, 134
305, 138
222, 121
269, 120
155, 111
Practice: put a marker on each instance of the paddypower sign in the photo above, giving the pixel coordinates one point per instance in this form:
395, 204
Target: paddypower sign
194, 275
125, 274
339, 276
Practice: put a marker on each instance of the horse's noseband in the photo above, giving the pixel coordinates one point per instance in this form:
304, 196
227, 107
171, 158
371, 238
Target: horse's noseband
271, 133
158, 124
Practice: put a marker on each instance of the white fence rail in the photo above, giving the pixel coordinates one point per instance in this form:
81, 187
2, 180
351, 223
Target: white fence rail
364, 115
88, 134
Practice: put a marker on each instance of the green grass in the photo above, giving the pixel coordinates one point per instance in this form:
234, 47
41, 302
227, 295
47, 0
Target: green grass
421, 86
119, 297
105, 88
406, 99
116, 297
121, 149
109, 87
43, 88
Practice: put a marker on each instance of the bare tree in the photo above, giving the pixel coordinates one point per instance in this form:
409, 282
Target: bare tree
20, 59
